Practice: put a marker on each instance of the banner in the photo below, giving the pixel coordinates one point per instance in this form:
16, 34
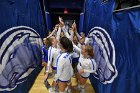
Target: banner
81, 21
21, 31
47, 15
48, 21
116, 44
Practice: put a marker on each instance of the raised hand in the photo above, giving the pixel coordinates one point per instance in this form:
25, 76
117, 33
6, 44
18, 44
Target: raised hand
56, 27
61, 21
74, 26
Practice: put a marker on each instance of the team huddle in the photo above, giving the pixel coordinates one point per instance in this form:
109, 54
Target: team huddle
67, 54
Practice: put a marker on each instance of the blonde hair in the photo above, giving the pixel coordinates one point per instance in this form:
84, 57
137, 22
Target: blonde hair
48, 42
89, 50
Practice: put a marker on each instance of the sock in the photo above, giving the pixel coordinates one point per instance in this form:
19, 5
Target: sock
69, 90
78, 86
82, 88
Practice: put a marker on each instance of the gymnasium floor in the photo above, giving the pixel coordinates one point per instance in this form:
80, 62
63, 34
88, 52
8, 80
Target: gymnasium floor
39, 87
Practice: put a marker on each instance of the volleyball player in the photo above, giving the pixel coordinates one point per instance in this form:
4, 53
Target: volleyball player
64, 67
85, 66
53, 52
47, 42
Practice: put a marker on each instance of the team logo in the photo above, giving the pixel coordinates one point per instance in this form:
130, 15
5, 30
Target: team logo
104, 51
20, 53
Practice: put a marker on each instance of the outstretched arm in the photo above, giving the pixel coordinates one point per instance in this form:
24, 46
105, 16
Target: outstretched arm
54, 31
58, 34
76, 48
75, 30
63, 27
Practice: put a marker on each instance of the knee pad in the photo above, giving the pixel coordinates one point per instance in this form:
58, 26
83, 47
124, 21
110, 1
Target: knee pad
82, 86
82, 90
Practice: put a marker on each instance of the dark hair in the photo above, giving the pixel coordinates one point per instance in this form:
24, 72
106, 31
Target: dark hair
66, 44
75, 35
89, 50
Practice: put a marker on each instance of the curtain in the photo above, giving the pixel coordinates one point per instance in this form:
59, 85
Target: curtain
22, 28
123, 29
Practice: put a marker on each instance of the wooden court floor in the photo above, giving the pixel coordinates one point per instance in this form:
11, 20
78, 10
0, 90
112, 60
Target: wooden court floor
39, 87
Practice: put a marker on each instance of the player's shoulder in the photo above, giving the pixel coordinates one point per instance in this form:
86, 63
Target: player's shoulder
50, 48
43, 46
92, 60
64, 55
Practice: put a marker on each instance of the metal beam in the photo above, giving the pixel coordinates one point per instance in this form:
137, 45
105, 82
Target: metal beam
128, 8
